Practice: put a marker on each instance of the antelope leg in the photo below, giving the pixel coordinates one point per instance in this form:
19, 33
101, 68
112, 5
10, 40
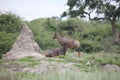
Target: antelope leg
78, 54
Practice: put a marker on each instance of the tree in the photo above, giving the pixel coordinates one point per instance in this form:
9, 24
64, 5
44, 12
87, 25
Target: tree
102, 9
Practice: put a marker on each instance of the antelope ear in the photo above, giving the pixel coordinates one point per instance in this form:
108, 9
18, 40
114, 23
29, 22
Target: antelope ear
56, 33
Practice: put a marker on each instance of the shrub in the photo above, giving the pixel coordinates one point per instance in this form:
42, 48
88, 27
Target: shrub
50, 24
43, 33
6, 41
9, 29
71, 25
9, 22
90, 46
93, 36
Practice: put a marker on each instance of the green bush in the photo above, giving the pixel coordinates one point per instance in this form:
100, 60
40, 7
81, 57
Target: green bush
43, 33
50, 24
93, 36
98, 37
6, 41
90, 46
71, 25
9, 29
9, 22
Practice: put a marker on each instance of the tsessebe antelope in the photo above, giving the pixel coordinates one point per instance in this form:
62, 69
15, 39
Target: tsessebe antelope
55, 52
68, 43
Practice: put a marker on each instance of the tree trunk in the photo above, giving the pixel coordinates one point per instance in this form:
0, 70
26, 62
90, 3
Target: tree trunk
115, 32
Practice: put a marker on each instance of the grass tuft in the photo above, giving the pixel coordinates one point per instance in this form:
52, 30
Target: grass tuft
31, 60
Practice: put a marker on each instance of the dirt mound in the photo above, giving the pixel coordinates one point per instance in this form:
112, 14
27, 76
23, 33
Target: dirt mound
111, 67
49, 66
25, 45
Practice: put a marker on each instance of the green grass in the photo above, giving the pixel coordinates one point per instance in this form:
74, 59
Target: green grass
65, 59
31, 61
27, 59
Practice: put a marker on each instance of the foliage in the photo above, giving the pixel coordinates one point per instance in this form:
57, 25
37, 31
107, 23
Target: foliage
9, 29
90, 46
102, 9
85, 8
9, 22
6, 41
94, 36
71, 25
44, 32
50, 24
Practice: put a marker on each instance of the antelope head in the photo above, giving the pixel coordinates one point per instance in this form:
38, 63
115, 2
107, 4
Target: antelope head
56, 35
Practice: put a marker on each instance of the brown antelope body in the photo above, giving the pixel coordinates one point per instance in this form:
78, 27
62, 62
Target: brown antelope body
67, 42
55, 52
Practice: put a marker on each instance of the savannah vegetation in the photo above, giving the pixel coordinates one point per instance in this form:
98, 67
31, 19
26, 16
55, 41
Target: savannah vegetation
96, 40
78, 71
94, 36
99, 39
69, 75
103, 10
9, 29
